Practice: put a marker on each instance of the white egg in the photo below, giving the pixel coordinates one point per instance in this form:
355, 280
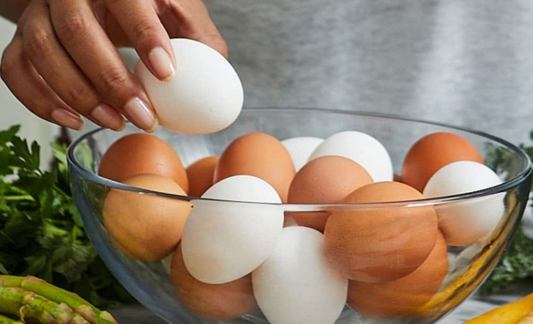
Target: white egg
224, 241
296, 284
361, 148
300, 148
289, 221
469, 220
203, 96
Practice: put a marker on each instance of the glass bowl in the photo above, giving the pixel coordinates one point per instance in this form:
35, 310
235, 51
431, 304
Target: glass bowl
305, 296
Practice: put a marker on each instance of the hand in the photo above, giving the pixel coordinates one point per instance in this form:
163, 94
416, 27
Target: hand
63, 61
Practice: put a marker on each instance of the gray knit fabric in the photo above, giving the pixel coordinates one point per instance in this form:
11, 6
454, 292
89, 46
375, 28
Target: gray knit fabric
465, 62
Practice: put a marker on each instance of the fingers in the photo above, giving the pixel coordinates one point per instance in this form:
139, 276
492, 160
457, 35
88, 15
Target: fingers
141, 21
190, 18
60, 72
62, 63
141, 24
87, 44
31, 90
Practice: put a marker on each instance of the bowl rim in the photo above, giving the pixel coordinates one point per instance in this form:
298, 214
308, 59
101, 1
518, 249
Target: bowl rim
76, 167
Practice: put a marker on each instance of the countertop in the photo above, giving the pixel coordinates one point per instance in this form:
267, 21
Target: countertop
472, 307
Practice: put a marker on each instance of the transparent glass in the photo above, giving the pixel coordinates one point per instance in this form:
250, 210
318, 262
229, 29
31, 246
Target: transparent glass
468, 266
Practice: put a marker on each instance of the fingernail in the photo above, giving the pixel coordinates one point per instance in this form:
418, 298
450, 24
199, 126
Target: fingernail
106, 116
161, 63
67, 118
139, 113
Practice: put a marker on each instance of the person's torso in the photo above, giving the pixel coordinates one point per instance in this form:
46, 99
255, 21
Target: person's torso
468, 63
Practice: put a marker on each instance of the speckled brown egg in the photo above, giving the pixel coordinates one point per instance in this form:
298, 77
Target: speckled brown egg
432, 152
380, 243
200, 175
260, 155
325, 180
405, 295
142, 153
218, 302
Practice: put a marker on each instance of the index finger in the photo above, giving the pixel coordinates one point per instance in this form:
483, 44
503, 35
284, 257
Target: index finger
141, 24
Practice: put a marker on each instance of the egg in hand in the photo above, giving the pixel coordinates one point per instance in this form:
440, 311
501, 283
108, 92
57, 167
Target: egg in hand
205, 94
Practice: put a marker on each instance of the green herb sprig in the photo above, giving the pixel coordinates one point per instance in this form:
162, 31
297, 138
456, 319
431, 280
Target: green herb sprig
41, 232
516, 263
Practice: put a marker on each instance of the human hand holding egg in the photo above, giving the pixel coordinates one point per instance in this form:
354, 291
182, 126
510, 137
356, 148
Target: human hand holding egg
65, 65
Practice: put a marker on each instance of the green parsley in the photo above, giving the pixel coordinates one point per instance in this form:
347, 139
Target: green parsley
516, 264
41, 232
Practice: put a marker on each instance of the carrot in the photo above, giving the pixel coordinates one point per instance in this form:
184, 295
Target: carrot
527, 320
510, 313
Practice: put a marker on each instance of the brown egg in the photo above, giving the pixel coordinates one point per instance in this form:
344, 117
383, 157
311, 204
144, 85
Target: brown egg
325, 180
200, 175
141, 153
260, 155
379, 244
217, 302
405, 295
145, 227
432, 152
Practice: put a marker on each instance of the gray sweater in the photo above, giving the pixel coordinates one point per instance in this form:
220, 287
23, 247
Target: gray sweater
464, 62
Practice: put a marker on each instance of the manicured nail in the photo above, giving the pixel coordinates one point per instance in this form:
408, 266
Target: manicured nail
67, 118
161, 63
142, 116
106, 116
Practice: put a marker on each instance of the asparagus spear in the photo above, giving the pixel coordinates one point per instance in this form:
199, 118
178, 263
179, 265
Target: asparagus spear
55, 294
8, 320
28, 306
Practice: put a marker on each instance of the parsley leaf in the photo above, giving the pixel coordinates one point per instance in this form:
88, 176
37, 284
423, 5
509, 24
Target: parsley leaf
41, 232
516, 263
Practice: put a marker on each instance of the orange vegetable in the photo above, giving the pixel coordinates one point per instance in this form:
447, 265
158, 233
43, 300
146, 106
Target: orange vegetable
511, 313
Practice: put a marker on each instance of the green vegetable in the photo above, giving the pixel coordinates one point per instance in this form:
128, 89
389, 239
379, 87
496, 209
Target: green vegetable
55, 294
31, 298
41, 232
8, 320
516, 264
22, 303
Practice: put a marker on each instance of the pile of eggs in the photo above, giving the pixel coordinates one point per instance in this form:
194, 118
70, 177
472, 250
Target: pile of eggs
277, 228
298, 228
